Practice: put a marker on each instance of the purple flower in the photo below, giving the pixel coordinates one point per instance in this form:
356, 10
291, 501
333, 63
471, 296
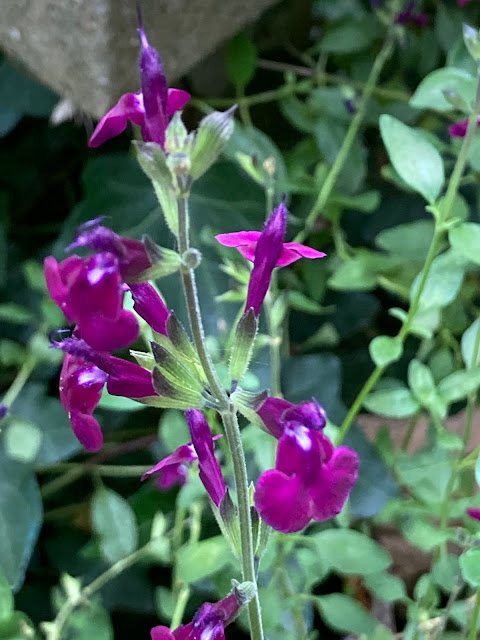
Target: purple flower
149, 305
311, 479
90, 292
3, 410
150, 108
474, 512
202, 440
266, 250
407, 16
84, 374
131, 255
174, 468
208, 623
459, 129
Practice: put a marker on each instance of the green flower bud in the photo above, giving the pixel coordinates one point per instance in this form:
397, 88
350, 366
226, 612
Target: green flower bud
243, 345
212, 135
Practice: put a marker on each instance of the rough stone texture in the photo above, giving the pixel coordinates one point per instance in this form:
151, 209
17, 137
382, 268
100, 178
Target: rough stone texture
86, 50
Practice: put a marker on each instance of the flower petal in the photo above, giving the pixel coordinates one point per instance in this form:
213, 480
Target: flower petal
334, 484
108, 335
87, 430
282, 501
293, 251
271, 413
238, 238
129, 379
81, 385
474, 512
184, 453
177, 99
129, 107
458, 129
309, 414
149, 305
162, 633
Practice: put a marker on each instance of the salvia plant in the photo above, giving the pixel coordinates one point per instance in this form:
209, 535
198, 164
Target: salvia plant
295, 541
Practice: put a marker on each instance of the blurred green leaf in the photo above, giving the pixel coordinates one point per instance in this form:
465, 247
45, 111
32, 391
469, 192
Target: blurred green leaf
470, 566
22, 440
351, 36
429, 93
115, 523
198, 560
414, 158
469, 338
392, 403
22, 95
426, 474
20, 518
343, 613
240, 60
351, 552
385, 349
465, 239
410, 240
386, 586
6, 600
11, 312
459, 384
443, 281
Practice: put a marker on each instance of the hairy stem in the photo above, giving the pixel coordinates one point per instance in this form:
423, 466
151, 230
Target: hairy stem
230, 422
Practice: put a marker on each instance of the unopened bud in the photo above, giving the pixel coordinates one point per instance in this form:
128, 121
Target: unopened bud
164, 261
176, 138
243, 344
244, 591
192, 258
471, 37
212, 135
269, 166
179, 163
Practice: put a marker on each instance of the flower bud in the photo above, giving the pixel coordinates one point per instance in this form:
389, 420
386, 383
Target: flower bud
164, 261
213, 133
192, 258
174, 370
172, 394
471, 37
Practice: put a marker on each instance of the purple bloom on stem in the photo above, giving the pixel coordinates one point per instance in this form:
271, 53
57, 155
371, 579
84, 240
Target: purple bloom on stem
84, 374
311, 479
407, 16
208, 623
131, 255
3, 410
150, 108
266, 250
474, 512
459, 129
173, 469
210, 470
90, 292
149, 305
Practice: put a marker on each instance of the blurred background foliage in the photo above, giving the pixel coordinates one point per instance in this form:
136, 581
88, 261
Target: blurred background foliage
302, 68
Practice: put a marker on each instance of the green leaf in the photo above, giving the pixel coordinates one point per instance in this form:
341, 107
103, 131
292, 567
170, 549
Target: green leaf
459, 384
90, 622
350, 36
426, 474
361, 271
342, 613
443, 282
18, 627
351, 552
429, 93
465, 239
173, 430
6, 600
470, 566
11, 312
165, 602
410, 240
198, 560
421, 382
114, 521
414, 158
386, 586
445, 572
20, 518
19, 93
22, 440
392, 403
385, 349
240, 60
424, 535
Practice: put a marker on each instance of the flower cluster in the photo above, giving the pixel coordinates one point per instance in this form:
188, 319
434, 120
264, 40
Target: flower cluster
311, 479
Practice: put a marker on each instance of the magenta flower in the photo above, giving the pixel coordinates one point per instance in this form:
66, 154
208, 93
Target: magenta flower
210, 470
150, 108
208, 623
312, 479
3, 410
462, 3
149, 305
459, 129
90, 292
174, 468
81, 385
84, 374
131, 255
474, 512
266, 250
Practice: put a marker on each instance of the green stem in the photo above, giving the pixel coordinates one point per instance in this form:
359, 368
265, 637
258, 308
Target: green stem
20, 380
440, 217
106, 470
475, 617
230, 422
349, 139
54, 630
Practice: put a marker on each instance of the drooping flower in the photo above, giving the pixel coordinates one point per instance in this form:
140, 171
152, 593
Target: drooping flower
266, 250
84, 374
132, 257
208, 623
149, 305
90, 292
312, 479
174, 468
474, 512
210, 470
150, 108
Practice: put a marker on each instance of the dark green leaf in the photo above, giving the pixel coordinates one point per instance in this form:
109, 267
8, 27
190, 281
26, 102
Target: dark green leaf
351, 552
114, 521
240, 60
198, 560
344, 614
